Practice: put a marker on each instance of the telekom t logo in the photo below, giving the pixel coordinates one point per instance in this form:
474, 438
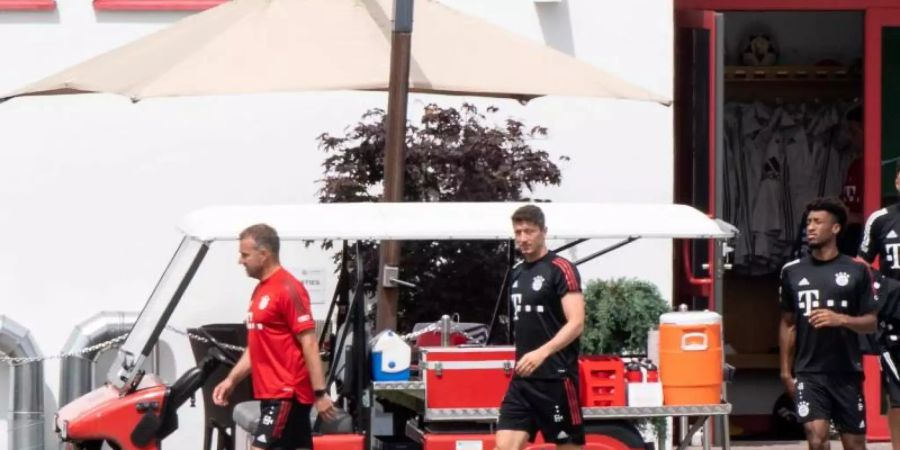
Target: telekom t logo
893, 255
808, 300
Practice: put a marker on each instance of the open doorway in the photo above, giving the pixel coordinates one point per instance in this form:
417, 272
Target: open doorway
792, 131
780, 123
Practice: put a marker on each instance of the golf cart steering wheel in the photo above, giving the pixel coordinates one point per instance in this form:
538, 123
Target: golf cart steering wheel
222, 353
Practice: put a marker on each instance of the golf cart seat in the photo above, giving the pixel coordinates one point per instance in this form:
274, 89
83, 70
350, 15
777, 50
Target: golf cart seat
218, 419
246, 416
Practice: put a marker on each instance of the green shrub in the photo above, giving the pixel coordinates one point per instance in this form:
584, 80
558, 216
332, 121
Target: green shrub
619, 313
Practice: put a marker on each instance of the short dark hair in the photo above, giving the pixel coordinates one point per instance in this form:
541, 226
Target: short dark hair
529, 213
264, 236
831, 205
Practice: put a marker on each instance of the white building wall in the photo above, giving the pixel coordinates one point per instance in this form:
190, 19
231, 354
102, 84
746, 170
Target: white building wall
91, 187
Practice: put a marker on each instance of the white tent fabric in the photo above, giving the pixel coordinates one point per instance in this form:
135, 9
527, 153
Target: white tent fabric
256, 46
440, 221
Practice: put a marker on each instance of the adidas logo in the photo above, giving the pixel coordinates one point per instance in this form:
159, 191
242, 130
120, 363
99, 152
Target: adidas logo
892, 235
261, 438
562, 436
803, 282
515, 284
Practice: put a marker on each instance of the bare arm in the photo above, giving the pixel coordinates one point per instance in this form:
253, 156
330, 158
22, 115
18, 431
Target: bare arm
241, 369
864, 324
313, 360
223, 390
787, 341
573, 308
310, 348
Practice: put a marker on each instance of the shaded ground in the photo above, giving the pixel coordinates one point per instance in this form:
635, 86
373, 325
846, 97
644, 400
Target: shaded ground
793, 445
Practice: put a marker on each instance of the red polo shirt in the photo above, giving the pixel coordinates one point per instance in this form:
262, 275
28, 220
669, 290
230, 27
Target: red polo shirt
279, 310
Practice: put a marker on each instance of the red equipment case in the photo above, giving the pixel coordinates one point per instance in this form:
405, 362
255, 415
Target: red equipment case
466, 377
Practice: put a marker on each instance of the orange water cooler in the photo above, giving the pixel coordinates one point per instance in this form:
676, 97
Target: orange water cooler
690, 357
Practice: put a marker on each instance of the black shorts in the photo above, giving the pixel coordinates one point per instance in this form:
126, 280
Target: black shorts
890, 386
837, 397
283, 425
550, 406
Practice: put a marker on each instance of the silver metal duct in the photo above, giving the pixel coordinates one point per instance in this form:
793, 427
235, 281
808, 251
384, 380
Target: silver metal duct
27, 414
76, 375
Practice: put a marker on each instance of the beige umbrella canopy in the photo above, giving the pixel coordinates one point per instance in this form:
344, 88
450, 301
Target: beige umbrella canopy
256, 46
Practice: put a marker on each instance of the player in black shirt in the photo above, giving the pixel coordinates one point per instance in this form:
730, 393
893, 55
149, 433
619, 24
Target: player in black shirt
548, 310
881, 240
827, 299
887, 343
888, 339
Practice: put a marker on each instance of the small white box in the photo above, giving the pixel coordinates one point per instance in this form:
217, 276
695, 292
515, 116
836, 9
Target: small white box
644, 394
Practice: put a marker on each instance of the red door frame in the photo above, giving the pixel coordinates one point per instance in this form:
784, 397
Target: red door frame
786, 5
878, 14
704, 20
876, 20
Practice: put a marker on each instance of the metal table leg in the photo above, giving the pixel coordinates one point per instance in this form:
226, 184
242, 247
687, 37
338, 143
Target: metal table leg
682, 428
686, 441
726, 435
707, 433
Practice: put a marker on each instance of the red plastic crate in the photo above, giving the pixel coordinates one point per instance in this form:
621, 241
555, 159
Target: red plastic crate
602, 380
593, 441
339, 442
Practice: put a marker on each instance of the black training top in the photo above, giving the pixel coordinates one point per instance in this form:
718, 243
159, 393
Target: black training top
888, 334
536, 292
882, 238
843, 285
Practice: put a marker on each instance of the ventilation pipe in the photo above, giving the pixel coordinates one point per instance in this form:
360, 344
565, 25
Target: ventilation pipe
76, 375
27, 414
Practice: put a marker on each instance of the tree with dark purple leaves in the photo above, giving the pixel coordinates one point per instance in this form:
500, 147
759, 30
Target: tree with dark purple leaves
452, 155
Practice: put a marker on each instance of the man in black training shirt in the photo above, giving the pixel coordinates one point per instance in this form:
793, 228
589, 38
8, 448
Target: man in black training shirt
881, 240
888, 343
548, 310
826, 299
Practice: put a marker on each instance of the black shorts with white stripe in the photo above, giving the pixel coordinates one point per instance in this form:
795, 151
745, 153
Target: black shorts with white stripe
550, 406
283, 425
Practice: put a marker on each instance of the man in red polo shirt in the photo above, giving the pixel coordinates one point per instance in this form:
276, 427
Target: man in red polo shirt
282, 352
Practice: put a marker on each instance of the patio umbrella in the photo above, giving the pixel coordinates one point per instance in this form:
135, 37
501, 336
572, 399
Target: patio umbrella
256, 46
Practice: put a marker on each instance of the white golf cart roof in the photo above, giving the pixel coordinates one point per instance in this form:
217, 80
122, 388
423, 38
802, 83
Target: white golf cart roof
390, 221
452, 221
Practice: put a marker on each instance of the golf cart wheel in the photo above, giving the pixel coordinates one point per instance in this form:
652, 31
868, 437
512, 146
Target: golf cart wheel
613, 435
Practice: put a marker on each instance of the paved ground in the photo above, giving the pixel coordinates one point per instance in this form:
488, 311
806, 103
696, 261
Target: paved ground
798, 445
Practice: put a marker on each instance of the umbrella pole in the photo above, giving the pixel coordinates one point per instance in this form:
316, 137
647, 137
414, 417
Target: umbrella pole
398, 89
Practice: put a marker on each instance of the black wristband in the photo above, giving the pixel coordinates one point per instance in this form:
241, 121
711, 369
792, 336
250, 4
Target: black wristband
319, 393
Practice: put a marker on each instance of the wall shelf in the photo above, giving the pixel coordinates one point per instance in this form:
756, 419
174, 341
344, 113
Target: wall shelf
791, 83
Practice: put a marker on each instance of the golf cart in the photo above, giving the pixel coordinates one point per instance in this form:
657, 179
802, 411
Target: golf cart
136, 411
